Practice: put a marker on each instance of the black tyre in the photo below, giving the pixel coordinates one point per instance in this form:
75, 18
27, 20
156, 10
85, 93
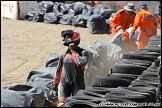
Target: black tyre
129, 96
141, 85
147, 78
146, 72
84, 98
88, 93
155, 38
131, 75
122, 90
47, 70
150, 90
154, 43
148, 53
42, 79
22, 95
138, 57
152, 69
151, 49
152, 83
128, 68
113, 102
109, 81
131, 78
80, 103
137, 61
52, 60
100, 90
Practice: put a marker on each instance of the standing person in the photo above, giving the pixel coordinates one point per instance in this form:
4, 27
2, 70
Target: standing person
123, 19
69, 77
147, 25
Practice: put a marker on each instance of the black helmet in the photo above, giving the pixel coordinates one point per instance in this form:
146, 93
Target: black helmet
74, 37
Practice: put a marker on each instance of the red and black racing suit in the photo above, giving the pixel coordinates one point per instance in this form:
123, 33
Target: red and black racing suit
70, 73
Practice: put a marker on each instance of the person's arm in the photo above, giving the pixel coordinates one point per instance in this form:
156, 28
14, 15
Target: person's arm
136, 22
115, 21
58, 71
82, 60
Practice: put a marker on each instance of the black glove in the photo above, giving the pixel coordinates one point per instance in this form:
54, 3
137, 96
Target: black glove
54, 87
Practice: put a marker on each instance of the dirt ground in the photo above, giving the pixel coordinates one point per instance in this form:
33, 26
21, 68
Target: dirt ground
26, 45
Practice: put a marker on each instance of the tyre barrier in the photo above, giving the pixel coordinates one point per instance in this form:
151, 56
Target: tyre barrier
138, 56
151, 83
99, 90
88, 93
150, 90
135, 63
147, 72
154, 43
152, 69
22, 95
109, 81
141, 85
123, 74
131, 78
85, 98
128, 68
129, 96
115, 102
148, 77
136, 87
41, 71
42, 79
80, 103
151, 49
120, 90
155, 38
148, 53
76, 14
52, 60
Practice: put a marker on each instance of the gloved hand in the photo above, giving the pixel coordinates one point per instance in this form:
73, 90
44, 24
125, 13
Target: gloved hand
54, 87
53, 93
131, 35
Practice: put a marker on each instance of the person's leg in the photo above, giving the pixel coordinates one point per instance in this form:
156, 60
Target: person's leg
79, 84
143, 40
64, 91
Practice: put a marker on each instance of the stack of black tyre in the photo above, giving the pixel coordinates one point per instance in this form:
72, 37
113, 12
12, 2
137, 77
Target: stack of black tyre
133, 81
34, 93
76, 14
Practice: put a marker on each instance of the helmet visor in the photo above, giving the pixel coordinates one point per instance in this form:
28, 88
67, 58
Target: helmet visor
67, 32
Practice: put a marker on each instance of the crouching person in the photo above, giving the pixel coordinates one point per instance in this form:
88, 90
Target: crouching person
131, 43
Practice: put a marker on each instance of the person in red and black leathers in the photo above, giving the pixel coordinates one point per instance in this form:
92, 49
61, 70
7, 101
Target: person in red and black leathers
69, 77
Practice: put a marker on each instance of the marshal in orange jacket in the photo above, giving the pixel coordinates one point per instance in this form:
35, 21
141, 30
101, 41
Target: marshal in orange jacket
122, 19
147, 24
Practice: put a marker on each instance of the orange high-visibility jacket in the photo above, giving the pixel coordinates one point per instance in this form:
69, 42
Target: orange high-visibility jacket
147, 24
121, 18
